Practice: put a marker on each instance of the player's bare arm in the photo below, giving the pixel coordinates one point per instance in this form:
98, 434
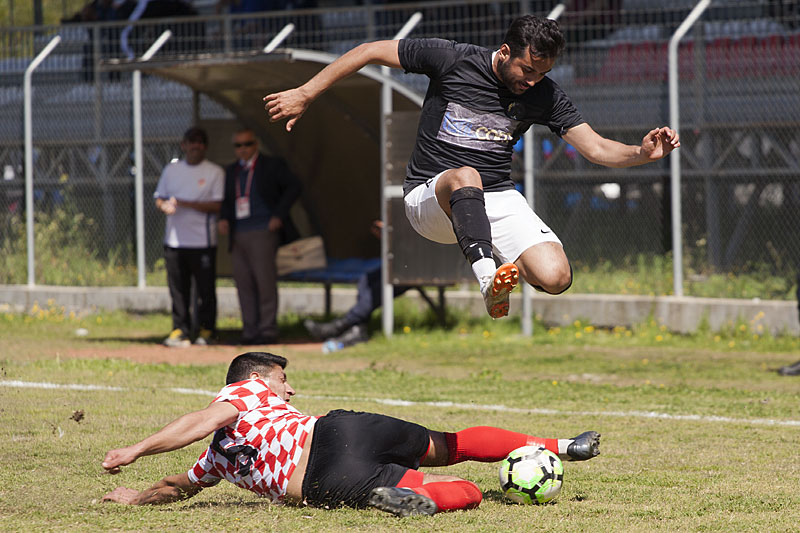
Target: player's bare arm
169, 489
181, 432
292, 103
655, 145
205, 207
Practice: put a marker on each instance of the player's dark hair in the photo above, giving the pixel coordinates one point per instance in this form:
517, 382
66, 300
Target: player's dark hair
196, 134
243, 365
541, 36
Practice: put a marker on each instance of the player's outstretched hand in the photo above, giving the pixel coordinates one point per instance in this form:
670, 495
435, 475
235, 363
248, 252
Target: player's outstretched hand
122, 495
117, 458
289, 105
659, 142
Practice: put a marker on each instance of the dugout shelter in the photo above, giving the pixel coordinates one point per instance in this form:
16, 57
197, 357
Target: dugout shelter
349, 150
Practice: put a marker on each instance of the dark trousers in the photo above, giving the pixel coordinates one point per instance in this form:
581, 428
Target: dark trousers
256, 276
185, 265
369, 297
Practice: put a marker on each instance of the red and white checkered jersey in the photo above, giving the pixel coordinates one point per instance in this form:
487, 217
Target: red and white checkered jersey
261, 449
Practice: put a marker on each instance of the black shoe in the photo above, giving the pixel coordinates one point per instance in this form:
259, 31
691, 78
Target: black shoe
791, 370
326, 330
401, 502
353, 335
584, 446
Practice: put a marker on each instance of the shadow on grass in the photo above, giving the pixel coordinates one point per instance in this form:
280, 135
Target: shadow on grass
224, 337
497, 497
236, 504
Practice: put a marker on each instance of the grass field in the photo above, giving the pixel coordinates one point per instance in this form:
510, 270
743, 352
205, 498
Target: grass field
699, 432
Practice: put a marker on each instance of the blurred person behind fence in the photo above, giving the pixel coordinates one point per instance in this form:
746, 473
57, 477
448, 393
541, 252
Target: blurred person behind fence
259, 192
190, 193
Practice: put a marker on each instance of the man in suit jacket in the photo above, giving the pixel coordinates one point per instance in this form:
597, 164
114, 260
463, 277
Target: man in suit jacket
259, 191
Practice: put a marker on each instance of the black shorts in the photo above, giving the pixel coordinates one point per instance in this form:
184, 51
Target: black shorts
353, 453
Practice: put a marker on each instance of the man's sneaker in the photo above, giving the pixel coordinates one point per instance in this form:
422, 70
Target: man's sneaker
584, 446
204, 338
177, 339
326, 330
354, 335
496, 289
791, 370
401, 501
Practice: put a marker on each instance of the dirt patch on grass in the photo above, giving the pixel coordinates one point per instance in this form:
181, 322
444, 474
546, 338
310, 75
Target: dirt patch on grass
193, 355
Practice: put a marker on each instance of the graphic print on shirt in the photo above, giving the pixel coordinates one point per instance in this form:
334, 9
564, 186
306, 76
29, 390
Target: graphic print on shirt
477, 130
261, 449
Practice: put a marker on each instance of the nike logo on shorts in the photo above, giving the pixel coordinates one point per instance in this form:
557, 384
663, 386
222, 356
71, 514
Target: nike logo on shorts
546, 231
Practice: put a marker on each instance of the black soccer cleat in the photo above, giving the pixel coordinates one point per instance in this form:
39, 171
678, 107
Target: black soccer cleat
401, 502
584, 446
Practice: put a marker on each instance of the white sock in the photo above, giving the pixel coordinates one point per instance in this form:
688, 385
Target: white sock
563, 444
483, 269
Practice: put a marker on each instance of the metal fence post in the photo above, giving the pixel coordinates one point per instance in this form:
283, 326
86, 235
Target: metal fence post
386, 109
528, 141
139, 157
279, 38
27, 90
675, 161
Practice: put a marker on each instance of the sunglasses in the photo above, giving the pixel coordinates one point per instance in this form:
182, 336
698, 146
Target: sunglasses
246, 143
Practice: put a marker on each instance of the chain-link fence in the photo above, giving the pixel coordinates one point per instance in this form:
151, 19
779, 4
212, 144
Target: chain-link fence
740, 125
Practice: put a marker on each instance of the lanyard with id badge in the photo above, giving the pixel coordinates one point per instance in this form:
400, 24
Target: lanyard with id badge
243, 202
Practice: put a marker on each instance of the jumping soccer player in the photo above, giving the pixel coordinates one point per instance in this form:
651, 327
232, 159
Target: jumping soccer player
264, 445
458, 185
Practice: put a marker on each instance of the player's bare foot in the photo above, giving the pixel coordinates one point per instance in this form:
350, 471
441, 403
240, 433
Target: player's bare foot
496, 289
401, 501
584, 447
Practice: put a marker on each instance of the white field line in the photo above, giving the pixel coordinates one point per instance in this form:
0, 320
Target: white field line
448, 405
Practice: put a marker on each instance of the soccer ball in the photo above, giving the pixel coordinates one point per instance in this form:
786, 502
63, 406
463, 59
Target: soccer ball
531, 475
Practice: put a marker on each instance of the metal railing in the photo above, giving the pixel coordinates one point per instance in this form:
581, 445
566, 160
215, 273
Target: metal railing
738, 66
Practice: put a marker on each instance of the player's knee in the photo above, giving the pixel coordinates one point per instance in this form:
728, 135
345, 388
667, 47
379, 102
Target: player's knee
555, 281
465, 177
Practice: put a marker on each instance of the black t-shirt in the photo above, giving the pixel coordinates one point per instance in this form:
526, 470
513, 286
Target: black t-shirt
469, 117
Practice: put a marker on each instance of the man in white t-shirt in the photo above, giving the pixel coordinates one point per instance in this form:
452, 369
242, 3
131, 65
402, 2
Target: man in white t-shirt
190, 193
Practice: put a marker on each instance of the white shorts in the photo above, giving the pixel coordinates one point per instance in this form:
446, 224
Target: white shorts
515, 227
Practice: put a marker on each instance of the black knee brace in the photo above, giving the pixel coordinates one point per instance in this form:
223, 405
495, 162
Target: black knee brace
470, 223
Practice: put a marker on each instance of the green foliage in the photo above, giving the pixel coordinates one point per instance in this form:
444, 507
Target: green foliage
653, 275
67, 254
65, 246
16, 13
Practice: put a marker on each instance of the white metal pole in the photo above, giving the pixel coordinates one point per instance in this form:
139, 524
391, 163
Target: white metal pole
279, 38
528, 162
27, 91
139, 157
557, 11
675, 161
527, 290
388, 193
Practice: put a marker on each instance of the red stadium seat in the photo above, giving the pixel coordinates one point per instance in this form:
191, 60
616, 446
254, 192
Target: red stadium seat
768, 55
789, 59
686, 68
616, 63
718, 58
743, 61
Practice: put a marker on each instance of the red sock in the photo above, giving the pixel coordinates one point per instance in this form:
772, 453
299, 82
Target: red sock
488, 444
448, 495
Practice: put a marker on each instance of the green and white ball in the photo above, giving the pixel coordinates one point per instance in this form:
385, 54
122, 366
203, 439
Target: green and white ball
531, 475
